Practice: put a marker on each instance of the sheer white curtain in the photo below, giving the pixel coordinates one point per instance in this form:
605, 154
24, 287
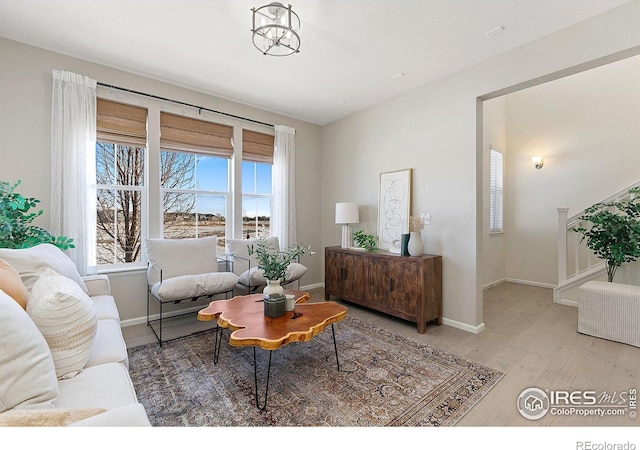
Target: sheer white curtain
283, 222
73, 165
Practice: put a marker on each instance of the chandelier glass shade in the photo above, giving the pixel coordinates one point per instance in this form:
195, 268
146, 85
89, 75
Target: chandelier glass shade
275, 30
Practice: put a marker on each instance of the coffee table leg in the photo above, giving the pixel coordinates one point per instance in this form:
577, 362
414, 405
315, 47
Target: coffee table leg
216, 345
255, 380
335, 346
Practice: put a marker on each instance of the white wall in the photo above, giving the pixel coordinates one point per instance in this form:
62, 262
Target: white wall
25, 136
587, 129
494, 135
434, 130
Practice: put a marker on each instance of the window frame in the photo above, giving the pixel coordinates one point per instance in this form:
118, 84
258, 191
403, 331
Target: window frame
257, 195
496, 192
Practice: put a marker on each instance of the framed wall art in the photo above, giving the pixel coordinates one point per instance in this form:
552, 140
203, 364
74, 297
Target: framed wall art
394, 206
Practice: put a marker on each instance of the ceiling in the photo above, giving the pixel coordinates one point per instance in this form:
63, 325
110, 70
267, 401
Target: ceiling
352, 56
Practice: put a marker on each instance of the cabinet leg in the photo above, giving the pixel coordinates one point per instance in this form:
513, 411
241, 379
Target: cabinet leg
326, 297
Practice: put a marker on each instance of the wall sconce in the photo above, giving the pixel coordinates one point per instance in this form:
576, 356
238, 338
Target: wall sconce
537, 162
346, 214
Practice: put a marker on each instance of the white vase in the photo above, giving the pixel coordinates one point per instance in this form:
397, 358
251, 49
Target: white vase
273, 287
415, 246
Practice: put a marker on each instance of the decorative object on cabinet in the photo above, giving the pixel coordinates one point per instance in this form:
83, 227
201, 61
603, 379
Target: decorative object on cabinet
406, 287
364, 241
404, 249
346, 214
394, 206
415, 247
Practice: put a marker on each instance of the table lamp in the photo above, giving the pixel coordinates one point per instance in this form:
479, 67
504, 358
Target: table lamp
346, 214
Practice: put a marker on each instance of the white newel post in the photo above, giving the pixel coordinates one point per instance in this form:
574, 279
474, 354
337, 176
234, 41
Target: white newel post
562, 244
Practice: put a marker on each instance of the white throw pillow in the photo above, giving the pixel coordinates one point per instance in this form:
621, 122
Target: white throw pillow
27, 373
31, 262
66, 317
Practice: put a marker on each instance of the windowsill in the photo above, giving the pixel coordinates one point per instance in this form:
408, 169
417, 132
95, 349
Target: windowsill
496, 233
121, 269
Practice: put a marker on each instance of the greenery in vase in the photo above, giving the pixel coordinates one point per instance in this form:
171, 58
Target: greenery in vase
273, 262
15, 220
364, 240
614, 231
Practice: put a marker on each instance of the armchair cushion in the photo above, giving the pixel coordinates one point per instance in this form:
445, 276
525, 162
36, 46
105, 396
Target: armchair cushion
255, 276
192, 286
238, 252
246, 267
178, 257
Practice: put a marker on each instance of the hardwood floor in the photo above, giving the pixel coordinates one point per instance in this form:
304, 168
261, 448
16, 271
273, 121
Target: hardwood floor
528, 337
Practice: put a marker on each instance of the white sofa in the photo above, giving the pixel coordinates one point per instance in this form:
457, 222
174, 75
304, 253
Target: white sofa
63, 359
610, 311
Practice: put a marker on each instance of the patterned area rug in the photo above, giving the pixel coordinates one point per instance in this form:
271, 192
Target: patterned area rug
384, 380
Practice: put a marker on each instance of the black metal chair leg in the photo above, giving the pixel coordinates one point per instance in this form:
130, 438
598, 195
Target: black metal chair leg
255, 380
160, 337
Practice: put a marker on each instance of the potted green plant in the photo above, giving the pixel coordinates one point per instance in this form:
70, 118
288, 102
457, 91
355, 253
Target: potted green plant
364, 240
16, 230
272, 262
613, 233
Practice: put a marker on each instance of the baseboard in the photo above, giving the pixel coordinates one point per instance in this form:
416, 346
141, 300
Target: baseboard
494, 283
531, 283
477, 329
308, 287
567, 302
167, 315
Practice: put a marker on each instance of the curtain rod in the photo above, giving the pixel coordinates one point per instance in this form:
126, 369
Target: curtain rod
199, 108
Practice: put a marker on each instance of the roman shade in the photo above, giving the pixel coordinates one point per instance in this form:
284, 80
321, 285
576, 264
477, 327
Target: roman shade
257, 147
120, 123
192, 135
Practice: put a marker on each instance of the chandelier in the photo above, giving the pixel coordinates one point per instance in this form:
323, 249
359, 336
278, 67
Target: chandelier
275, 30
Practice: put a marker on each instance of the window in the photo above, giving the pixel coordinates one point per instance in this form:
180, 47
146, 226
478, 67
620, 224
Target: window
120, 168
496, 192
194, 177
257, 160
197, 194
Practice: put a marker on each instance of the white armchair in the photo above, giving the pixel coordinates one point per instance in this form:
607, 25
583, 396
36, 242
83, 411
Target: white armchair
184, 270
245, 266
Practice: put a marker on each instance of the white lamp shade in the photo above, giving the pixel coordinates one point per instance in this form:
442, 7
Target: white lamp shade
347, 213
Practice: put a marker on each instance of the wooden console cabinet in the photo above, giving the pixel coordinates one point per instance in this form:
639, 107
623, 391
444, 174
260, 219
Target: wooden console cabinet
407, 287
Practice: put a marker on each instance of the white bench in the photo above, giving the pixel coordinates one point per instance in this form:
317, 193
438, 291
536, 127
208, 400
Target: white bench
610, 311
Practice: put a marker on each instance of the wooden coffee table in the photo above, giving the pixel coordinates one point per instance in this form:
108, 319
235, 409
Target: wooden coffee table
244, 315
